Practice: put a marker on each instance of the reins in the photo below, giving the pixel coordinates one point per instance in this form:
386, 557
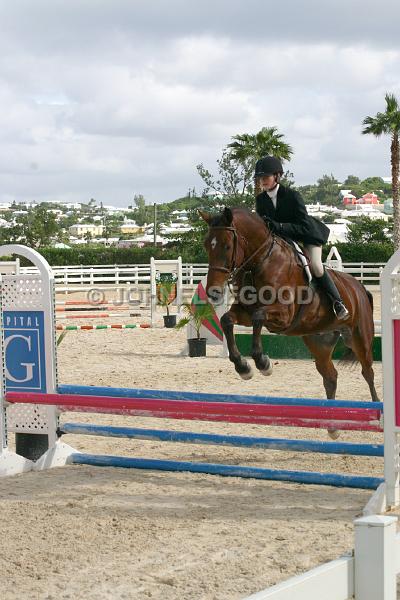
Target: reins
234, 268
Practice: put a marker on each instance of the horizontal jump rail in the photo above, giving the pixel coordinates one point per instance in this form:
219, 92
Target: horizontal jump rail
102, 326
333, 479
156, 405
263, 414
89, 390
163, 435
72, 303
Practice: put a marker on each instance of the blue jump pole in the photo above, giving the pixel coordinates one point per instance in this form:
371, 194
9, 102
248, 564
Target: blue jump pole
83, 390
332, 479
225, 440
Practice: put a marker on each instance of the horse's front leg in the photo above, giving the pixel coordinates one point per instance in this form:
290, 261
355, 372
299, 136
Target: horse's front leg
228, 320
262, 361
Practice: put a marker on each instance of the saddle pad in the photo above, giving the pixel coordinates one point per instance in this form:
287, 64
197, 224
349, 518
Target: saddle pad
304, 260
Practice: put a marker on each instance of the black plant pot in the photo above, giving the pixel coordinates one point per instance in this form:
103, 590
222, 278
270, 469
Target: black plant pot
169, 321
197, 347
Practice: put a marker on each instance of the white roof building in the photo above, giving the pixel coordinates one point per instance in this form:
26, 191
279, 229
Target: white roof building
365, 210
338, 232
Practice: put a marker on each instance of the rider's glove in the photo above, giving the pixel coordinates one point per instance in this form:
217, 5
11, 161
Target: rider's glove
273, 226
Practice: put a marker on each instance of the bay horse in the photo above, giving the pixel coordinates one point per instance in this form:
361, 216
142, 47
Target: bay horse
238, 241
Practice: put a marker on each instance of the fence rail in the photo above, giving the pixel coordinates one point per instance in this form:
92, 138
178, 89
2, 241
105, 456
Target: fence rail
114, 275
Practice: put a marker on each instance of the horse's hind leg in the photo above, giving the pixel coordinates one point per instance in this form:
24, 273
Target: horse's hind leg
321, 347
362, 348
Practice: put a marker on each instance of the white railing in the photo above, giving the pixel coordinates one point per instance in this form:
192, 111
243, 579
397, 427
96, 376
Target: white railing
369, 573
113, 275
367, 273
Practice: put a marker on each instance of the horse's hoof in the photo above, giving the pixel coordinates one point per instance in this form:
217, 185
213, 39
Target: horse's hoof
248, 374
334, 434
268, 371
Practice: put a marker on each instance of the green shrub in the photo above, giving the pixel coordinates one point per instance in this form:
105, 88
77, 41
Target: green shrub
372, 252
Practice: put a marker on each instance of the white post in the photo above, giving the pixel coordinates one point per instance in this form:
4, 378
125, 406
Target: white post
27, 313
334, 260
375, 558
390, 313
153, 298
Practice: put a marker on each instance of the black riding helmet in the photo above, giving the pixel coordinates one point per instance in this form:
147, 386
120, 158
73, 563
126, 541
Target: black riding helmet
269, 165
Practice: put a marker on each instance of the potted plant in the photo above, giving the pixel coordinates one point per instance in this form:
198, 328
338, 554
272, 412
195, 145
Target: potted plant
166, 294
196, 314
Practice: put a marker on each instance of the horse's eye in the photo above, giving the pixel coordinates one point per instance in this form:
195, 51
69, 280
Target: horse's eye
227, 247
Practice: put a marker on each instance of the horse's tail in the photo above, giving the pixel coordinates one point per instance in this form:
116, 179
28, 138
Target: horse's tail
348, 355
348, 358
370, 298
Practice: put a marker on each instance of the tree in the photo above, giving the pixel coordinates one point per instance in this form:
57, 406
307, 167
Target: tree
235, 178
248, 148
388, 123
350, 181
308, 193
234, 181
35, 229
327, 190
366, 230
254, 146
141, 216
373, 184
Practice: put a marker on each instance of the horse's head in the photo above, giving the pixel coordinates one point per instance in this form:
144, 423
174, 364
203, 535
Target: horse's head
225, 248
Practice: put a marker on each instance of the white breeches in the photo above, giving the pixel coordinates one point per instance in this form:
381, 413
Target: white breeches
315, 253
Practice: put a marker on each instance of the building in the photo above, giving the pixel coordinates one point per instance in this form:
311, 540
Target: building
81, 229
338, 232
180, 215
369, 198
365, 210
349, 198
144, 240
130, 227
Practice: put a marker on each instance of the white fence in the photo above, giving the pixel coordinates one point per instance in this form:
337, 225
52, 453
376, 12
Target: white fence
113, 275
367, 574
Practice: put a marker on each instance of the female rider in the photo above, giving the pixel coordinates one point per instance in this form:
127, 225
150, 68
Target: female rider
284, 211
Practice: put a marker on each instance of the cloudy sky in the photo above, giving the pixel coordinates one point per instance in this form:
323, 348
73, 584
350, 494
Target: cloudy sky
107, 99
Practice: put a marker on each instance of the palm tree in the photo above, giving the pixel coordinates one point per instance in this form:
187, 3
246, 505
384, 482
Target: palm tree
248, 148
389, 123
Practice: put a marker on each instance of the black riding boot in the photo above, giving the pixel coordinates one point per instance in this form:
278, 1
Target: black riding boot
327, 284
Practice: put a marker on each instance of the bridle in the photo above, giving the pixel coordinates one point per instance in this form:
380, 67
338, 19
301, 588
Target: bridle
234, 268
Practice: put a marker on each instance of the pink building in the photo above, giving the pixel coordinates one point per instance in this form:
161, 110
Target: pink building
369, 198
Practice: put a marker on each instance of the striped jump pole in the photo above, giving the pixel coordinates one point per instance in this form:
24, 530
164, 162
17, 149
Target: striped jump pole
91, 390
101, 326
361, 419
332, 479
213, 439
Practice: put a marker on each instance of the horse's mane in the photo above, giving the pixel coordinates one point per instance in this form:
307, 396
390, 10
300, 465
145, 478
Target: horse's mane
220, 219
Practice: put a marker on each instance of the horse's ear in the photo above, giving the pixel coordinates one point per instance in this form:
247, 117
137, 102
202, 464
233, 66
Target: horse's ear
204, 215
228, 216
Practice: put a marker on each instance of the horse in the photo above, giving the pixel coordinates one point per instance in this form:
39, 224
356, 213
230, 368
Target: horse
241, 247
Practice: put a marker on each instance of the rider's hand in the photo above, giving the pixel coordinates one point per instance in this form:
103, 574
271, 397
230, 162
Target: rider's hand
273, 226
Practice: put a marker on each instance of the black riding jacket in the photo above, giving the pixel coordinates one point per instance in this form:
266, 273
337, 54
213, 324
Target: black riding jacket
291, 212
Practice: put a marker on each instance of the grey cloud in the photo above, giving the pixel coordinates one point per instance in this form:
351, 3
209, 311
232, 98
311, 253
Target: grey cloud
108, 99
51, 25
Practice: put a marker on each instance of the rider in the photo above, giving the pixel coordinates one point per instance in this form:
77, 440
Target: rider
284, 211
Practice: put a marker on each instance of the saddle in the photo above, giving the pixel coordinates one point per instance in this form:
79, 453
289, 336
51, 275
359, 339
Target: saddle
303, 258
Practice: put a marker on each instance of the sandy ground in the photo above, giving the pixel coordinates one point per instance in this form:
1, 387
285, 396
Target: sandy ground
97, 533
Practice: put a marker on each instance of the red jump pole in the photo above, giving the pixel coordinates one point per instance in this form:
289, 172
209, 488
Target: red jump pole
298, 416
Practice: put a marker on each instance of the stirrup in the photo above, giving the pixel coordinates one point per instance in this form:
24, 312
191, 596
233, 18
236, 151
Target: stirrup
340, 310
